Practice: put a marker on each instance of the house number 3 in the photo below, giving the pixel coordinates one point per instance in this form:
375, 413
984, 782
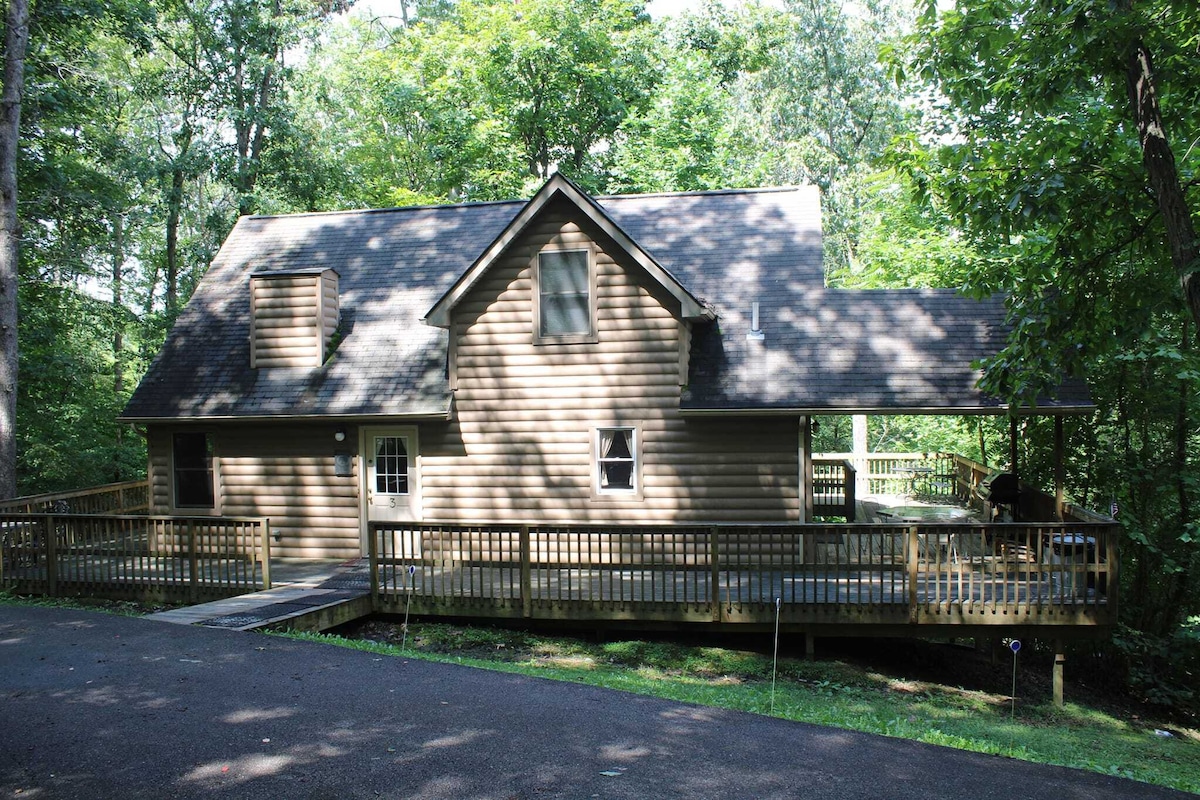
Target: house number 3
392, 503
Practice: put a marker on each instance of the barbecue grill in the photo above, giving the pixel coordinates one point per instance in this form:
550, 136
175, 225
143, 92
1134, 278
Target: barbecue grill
1000, 489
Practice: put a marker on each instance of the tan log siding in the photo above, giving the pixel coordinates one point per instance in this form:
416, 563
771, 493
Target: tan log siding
329, 310
287, 332
158, 447
520, 447
282, 472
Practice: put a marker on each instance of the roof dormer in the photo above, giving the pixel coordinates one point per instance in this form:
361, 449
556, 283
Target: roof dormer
294, 315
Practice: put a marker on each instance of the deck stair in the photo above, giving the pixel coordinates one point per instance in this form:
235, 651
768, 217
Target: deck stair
312, 596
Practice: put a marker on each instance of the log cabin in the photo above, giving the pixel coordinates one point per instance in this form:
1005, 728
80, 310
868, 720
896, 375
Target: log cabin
627, 360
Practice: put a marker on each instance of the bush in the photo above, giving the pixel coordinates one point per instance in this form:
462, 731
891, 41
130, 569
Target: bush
1162, 670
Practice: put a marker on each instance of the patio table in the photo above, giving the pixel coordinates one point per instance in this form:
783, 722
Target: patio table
946, 542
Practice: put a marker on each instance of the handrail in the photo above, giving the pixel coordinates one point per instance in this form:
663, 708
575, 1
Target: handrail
121, 497
122, 555
883, 574
833, 482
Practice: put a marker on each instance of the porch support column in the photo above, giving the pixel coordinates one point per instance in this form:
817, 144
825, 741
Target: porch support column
1012, 462
859, 459
1060, 660
1058, 467
806, 486
1012, 445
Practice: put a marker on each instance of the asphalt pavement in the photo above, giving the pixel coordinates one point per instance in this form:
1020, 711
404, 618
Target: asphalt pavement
100, 706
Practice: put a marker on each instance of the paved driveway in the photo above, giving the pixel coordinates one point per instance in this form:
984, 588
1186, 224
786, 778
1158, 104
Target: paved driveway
98, 706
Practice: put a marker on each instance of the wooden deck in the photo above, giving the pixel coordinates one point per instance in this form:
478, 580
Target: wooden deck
176, 559
815, 576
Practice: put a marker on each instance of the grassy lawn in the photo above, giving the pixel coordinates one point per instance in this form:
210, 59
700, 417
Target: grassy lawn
841, 692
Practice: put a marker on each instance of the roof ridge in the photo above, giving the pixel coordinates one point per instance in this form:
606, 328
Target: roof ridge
391, 210
706, 192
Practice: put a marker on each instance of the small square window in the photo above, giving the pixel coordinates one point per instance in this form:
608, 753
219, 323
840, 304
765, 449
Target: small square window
616, 461
564, 287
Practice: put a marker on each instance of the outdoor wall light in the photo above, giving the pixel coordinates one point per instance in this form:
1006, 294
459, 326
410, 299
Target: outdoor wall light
339, 435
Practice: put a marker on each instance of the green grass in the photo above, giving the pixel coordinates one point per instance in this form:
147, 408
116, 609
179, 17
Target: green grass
125, 608
831, 693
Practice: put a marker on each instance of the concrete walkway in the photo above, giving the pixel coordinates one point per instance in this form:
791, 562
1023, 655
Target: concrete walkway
301, 590
100, 706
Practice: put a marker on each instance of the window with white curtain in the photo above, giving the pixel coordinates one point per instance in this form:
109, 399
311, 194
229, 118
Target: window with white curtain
616, 461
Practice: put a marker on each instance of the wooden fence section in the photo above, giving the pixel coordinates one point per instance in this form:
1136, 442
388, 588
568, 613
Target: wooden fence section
821, 575
178, 559
130, 497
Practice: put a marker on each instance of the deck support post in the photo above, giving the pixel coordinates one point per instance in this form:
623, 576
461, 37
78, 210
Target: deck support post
1059, 477
266, 553
193, 563
810, 645
913, 553
373, 555
526, 575
51, 540
714, 575
1060, 660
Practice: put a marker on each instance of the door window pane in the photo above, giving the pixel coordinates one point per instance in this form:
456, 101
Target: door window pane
391, 465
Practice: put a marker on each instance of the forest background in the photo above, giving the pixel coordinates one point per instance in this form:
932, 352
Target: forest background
994, 147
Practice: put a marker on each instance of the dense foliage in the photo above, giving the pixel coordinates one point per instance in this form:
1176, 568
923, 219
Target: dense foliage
995, 149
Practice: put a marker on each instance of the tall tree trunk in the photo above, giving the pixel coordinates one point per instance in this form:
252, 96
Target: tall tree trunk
174, 209
118, 286
118, 344
1159, 162
16, 42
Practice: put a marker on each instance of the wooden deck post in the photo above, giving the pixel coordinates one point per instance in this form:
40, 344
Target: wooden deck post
913, 552
51, 540
1060, 660
193, 563
373, 559
1058, 467
266, 552
526, 574
714, 575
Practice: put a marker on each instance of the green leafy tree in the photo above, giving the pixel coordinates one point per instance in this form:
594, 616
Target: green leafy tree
1049, 153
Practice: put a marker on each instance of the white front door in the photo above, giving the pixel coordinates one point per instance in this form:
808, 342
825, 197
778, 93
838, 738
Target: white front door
392, 492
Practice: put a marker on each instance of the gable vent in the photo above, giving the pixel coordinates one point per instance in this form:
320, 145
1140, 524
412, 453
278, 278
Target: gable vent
294, 316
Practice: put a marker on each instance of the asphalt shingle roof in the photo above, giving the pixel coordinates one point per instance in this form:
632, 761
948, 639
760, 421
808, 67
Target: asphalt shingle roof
822, 349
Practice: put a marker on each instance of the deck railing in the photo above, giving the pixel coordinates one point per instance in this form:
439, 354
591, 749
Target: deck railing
128, 497
822, 575
930, 475
180, 559
833, 488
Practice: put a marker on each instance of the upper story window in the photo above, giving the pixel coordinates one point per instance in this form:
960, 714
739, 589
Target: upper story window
566, 296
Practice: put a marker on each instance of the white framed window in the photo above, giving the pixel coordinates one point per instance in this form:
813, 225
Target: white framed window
391, 465
617, 465
565, 311
192, 479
